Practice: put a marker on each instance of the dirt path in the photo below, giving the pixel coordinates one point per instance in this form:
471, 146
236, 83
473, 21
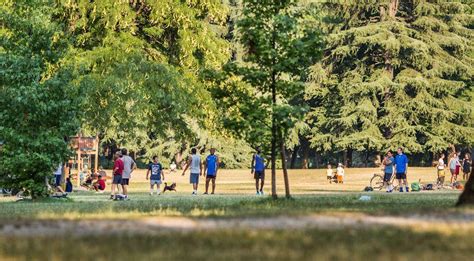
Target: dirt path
160, 224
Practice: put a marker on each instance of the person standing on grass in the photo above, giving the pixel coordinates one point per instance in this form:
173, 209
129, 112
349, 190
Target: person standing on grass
466, 166
195, 164
441, 173
340, 173
454, 167
129, 166
388, 170
57, 179
329, 173
258, 170
211, 165
401, 168
117, 174
156, 170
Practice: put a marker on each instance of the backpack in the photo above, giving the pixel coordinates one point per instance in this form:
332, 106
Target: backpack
415, 186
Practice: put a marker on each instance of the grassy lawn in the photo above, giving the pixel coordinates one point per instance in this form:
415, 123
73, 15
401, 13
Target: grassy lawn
235, 199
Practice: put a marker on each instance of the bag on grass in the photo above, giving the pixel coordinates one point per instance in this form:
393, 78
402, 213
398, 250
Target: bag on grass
368, 189
415, 186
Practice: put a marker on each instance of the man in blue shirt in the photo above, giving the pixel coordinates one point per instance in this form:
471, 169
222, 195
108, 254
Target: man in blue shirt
211, 165
401, 167
258, 169
388, 170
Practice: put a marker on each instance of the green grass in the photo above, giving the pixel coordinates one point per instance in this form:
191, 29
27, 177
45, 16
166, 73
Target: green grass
311, 244
87, 205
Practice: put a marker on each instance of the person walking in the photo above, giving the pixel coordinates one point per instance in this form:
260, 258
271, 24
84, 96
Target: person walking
195, 165
388, 162
211, 165
401, 169
441, 170
117, 174
129, 166
340, 173
258, 170
466, 166
156, 170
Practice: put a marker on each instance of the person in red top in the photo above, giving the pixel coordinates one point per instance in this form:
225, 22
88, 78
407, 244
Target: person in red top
117, 173
99, 186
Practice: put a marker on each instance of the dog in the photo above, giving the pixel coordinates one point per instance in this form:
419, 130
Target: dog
171, 187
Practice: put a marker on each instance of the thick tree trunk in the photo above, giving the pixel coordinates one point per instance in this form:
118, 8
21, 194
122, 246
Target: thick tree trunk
285, 170
467, 196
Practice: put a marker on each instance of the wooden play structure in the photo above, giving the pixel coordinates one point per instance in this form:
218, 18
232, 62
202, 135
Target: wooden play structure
86, 157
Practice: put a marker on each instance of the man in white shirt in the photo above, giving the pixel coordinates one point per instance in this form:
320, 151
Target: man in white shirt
129, 166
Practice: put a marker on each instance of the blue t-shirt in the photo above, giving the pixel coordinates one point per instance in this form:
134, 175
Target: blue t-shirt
389, 166
259, 163
211, 165
155, 169
401, 162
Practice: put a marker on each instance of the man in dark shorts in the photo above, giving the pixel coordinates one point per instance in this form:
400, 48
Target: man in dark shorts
57, 178
388, 170
117, 174
129, 166
211, 165
258, 170
401, 167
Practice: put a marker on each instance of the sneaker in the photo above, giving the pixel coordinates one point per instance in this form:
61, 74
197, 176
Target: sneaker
258, 193
261, 192
151, 193
406, 189
158, 193
400, 190
112, 197
205, 193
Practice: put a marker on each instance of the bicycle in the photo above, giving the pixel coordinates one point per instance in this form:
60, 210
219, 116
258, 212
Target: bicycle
376, 182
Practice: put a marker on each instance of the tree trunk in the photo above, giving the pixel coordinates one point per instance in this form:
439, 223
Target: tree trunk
274, 120
285, 171
467, 196
294, 156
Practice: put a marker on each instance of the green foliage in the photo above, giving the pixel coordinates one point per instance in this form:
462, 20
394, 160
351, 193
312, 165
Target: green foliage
395, 73
37, 103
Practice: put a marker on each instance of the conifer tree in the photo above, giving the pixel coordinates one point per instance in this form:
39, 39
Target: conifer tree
395, 73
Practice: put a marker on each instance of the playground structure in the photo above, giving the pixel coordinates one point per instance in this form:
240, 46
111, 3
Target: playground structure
85, 158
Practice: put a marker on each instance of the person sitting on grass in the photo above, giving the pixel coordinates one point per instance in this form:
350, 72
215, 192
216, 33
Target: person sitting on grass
329, 173
99, 185
88, 183
69, 186
340, 173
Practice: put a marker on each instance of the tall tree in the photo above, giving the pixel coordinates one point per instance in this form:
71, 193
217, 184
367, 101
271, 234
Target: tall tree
37, 103
395, 73
266, 91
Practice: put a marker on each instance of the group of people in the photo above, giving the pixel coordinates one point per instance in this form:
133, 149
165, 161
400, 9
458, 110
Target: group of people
337, 176
124, 165
455, 165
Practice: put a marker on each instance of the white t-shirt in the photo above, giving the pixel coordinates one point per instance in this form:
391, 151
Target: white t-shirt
340, 171
329, 172
59, 170
441, 164
195, 164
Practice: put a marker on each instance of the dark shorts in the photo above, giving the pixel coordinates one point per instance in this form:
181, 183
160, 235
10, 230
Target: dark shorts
194, 178
57, 180
387, 177
259, 175
125, 181
401, 175
117, 179
210, 176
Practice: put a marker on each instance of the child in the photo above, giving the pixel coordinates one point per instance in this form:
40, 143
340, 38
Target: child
156, 173
340, 173
329, 173
99, 186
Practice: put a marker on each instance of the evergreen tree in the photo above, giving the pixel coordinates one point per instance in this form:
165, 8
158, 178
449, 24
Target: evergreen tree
395, 73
